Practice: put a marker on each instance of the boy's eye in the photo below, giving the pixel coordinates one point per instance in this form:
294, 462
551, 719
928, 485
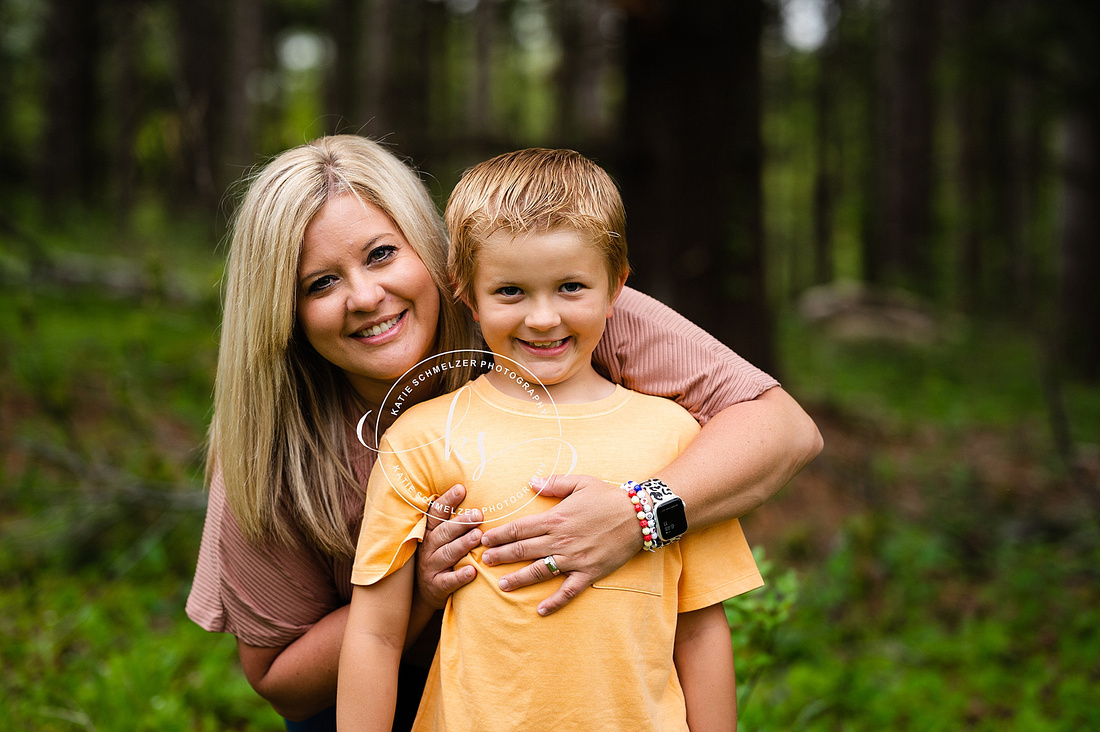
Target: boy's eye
381, 253
321, 283
509, 291
572, 287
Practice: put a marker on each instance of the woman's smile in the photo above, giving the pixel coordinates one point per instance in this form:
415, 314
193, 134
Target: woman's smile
374, 333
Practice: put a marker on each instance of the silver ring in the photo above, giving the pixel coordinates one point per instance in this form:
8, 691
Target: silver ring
551, 565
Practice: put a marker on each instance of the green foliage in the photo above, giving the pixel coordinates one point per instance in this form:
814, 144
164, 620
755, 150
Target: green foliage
755, 618
962, 590
888, 634
92, 651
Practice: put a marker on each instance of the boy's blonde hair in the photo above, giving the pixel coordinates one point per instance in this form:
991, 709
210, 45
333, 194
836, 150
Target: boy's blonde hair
534, 190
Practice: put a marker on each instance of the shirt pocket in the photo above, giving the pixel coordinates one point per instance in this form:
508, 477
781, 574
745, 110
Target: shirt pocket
644, 573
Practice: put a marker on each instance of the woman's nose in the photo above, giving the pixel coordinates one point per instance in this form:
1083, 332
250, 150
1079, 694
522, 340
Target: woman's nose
365, 294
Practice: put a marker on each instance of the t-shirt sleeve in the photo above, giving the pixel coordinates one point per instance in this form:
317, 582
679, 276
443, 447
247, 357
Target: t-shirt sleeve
267, 595
395, 515
716, 562
717, 565
649, 347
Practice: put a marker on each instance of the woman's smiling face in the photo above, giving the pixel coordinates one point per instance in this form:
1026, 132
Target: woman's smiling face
366, 303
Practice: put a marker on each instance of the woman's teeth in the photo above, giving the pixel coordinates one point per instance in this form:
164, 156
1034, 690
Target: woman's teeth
547, 344
380, 328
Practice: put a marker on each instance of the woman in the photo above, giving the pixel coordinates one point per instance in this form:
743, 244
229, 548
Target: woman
335, 287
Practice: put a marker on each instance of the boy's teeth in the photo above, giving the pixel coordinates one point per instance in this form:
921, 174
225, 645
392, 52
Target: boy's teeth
380, 328
547, 344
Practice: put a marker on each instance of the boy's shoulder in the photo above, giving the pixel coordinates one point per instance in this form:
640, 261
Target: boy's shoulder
426, 416
662, 408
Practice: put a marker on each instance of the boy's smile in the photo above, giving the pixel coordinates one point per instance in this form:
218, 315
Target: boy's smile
543, 299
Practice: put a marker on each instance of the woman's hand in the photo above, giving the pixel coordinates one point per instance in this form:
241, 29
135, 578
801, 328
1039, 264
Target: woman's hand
445, 542
590, 534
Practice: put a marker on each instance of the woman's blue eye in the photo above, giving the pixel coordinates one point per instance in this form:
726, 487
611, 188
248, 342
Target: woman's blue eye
321, 283
382, 253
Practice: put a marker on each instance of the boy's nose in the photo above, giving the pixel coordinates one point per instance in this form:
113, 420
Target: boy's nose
542, 317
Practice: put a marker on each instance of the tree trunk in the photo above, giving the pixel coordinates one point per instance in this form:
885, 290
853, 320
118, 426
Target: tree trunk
375, 113
904, 247
1080, 246
68, 163
342, 82
125, 106
202, 54
824, 179
246, 55
692, 164
479, 116
580, 73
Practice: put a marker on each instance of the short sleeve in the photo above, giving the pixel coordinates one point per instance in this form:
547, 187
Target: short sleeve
267, 595
649, 347
395, 515
717, 565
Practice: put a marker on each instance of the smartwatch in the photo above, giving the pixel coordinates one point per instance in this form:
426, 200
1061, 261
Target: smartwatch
668, 512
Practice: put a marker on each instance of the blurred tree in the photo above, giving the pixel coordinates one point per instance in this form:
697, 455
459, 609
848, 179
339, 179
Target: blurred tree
479, 118
70, 159
692, 161
825, 180
374, 115
901, 251
416, 60
245, 65
125, 103
581, 25
202, 58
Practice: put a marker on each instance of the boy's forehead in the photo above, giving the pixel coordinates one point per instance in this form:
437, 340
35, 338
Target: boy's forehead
561, 251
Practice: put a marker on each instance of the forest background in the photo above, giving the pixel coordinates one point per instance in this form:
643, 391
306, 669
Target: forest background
893, 205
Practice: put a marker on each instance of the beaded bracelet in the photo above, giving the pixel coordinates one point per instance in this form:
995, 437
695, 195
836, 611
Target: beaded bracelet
644, 512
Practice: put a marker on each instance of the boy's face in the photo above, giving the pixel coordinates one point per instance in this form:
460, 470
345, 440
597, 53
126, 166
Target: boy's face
543, 299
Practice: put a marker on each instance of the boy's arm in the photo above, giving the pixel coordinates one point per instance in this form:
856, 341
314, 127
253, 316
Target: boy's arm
704, 662
369, 658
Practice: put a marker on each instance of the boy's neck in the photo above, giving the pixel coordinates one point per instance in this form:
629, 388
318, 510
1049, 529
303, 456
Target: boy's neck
585, 386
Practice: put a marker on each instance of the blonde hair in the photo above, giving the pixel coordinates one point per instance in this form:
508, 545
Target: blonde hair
534, 190
281, 412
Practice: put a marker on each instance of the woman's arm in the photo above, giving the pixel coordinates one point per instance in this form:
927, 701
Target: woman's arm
742, 457
704, 663
371, 652
299, 679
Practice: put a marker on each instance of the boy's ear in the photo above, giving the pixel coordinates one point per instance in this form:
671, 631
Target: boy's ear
470, 304
615, 296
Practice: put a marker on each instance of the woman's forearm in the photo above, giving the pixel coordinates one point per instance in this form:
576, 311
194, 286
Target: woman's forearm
742, 457
300, 679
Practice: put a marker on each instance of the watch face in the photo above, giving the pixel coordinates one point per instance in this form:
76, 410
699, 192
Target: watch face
671, 519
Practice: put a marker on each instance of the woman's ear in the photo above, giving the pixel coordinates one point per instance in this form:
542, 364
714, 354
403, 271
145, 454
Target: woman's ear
615, 296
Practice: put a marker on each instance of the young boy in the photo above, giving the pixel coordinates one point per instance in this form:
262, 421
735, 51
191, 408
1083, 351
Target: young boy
539, 256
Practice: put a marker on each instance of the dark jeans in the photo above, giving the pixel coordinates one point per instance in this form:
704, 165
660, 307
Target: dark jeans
410, 687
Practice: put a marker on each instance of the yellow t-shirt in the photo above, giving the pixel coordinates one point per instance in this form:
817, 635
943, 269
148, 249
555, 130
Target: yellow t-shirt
603, 662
